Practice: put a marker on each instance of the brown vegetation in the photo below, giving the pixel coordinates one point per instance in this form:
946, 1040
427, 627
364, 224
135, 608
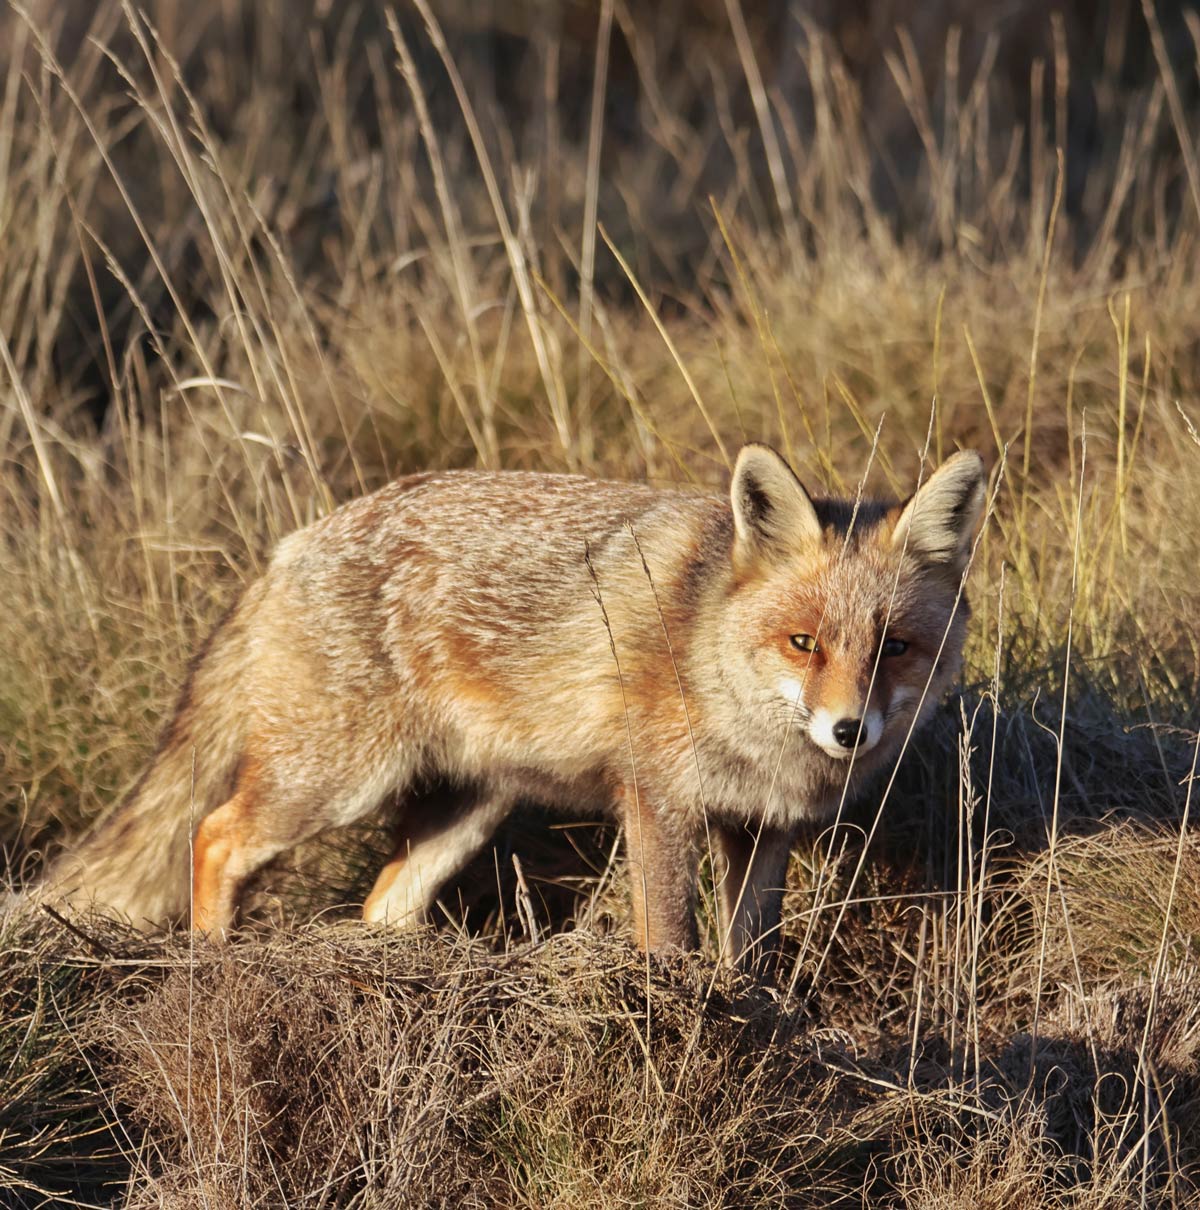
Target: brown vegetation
259, 259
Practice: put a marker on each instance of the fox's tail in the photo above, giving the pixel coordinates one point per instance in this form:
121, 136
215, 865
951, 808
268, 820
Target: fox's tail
136, 864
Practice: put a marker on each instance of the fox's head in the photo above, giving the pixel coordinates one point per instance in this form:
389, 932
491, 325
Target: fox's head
847, 622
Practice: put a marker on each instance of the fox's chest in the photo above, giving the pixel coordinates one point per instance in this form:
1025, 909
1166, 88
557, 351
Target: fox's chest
787, 789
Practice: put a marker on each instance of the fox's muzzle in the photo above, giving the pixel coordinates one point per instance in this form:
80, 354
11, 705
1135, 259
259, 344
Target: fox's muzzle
840, 733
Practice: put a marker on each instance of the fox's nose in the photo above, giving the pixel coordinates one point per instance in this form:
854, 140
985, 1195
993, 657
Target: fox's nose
847, 731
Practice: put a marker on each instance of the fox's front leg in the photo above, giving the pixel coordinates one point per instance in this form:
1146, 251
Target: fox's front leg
749, 868
662, 874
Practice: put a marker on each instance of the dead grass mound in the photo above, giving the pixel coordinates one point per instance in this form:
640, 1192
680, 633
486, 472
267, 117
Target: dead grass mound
342, 1067
338, 1066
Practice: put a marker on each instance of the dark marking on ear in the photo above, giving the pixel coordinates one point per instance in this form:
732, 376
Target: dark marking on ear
756, 502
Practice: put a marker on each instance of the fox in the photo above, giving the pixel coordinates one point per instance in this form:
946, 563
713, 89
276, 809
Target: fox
717, 672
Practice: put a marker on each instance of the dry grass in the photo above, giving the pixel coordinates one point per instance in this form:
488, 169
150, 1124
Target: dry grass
261, 259
349, 1068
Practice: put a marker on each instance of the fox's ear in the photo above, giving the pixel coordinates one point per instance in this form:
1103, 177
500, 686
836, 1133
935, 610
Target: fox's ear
937, 522
772, 513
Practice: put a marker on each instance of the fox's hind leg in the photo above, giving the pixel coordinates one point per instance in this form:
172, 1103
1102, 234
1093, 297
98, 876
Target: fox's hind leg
221, 863
439, 833
272, 810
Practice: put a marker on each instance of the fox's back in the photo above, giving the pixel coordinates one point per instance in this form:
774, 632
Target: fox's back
504, 552
486, 607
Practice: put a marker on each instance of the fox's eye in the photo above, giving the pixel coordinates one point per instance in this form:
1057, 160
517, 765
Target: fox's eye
804, 642
894, 647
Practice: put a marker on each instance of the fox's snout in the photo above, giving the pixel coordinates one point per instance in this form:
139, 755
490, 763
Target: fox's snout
842, 732
839, 729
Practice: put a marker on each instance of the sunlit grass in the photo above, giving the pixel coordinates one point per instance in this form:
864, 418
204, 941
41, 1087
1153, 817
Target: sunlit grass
991, 1005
